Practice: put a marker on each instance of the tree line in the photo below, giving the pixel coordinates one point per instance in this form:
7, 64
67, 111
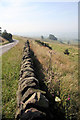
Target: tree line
52, 37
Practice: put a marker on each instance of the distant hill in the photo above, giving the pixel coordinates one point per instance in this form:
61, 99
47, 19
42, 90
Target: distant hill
52, 37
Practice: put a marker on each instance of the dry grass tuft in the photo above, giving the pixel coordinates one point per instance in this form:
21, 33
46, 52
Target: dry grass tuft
61, 74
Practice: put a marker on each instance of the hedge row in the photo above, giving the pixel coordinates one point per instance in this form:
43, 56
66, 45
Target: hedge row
43, 44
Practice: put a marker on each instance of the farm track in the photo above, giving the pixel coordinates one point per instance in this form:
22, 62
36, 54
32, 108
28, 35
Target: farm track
5, 48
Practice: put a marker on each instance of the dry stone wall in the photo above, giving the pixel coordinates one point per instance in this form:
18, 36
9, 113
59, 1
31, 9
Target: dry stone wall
31, 101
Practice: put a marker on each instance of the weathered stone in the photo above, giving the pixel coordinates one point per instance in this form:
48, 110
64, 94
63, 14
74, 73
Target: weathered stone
28, 59
27, 74
18, 96
26, 83
29, 66
27, 69
29, 92
25, 53
33, 114
27, 62
25, 87
18, 112
29, 79
26, 66
24, 60
25, 57
38, 100
26, 49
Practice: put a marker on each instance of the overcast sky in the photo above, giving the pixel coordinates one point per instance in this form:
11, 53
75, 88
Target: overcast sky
39, 18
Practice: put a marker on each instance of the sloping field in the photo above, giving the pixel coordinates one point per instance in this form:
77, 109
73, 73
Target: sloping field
60, 74
56, 72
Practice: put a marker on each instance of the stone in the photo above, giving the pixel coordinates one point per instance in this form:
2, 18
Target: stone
38, 100
18, 96
25, 53
27, 69
18, 112
24, 61
28, 59
26, 66
27, 86
33, 114
25, 57
26, 50
29, 93
28, 83
27, 74
27, 62
29, 79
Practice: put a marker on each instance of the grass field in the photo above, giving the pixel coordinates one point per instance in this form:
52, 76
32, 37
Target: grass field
61, 74
10, 74
58, 71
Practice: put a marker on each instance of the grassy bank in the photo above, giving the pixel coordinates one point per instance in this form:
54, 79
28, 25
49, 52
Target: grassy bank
60, 74
10, 74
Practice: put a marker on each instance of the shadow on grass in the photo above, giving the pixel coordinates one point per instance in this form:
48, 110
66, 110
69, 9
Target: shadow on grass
54, 112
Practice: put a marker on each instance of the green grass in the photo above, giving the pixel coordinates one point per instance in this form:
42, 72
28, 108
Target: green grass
61, 67
68, 78
73, 50
10, 74
61, 74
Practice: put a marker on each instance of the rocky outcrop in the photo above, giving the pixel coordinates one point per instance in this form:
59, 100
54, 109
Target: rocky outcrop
31, 101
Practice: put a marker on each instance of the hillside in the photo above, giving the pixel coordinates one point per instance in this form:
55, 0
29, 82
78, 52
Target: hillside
57, 74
